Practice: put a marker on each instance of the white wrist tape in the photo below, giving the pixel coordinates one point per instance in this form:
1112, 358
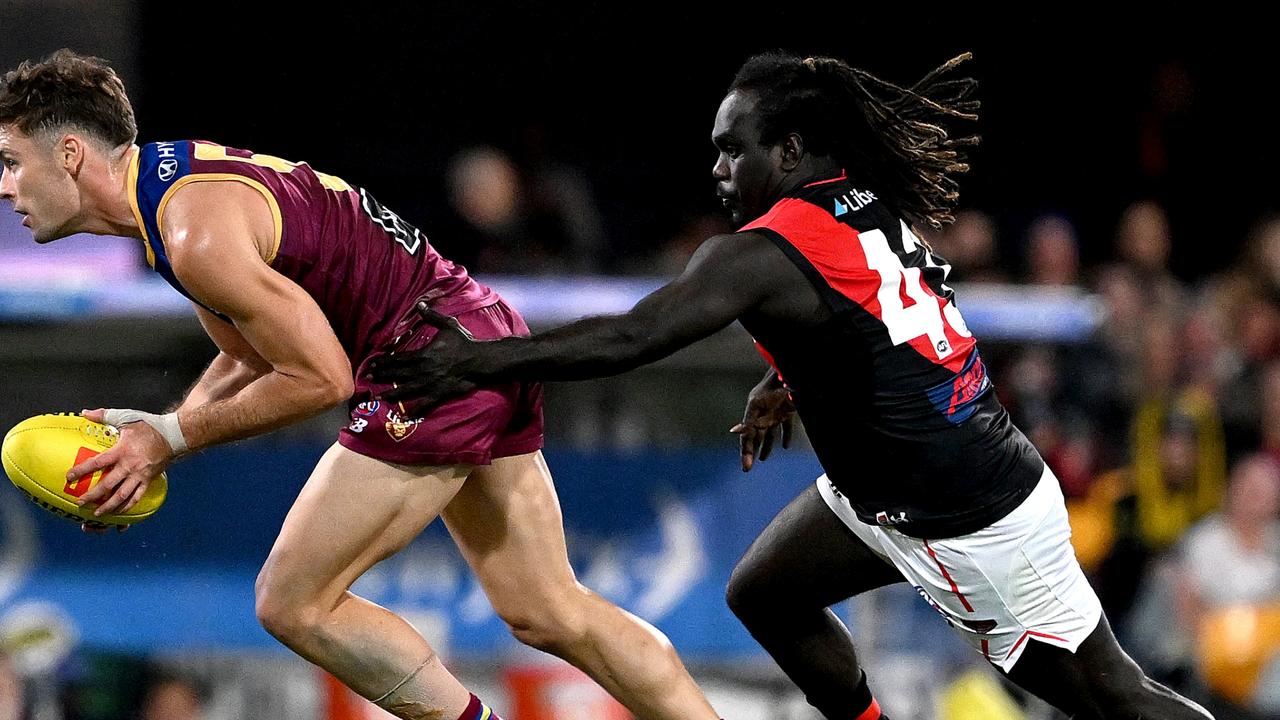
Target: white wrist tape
166, 425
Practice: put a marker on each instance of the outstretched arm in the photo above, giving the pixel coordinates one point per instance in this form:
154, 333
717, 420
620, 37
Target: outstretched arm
728, 276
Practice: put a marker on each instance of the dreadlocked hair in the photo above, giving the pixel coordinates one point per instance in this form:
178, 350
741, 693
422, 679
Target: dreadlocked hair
891, 138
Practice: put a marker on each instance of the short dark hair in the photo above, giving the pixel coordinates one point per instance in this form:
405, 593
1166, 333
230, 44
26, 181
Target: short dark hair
893, 139
68, 90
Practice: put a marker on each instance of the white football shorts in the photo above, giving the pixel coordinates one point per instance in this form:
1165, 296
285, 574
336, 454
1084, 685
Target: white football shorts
1011, 581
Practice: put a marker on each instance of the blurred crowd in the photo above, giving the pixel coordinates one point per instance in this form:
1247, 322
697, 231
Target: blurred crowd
525, 213
102, 688
1164, 429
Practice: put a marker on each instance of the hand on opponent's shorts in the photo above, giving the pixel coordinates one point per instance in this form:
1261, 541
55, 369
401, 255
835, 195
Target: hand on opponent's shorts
769, 408
434, 373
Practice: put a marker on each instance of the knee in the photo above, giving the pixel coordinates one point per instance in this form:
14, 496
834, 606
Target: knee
285, 616
748, 593
551, 623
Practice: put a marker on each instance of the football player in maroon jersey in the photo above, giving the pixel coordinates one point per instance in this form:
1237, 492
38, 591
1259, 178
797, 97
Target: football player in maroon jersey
300, 278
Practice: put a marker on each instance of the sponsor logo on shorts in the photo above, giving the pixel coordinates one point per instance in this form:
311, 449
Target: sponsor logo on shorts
399, 427
884, 518
934, 604
834, 490
367, 408
400, 430
981, 627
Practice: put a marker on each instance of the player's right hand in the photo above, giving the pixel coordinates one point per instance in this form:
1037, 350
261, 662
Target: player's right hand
769, 410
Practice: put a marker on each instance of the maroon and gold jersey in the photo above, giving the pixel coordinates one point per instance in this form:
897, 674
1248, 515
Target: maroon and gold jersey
892, 390
364, 266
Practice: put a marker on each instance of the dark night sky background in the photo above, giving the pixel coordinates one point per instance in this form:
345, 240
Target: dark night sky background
383, 94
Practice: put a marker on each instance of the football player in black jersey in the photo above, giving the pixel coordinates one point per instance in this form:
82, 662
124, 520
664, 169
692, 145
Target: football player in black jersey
831, 169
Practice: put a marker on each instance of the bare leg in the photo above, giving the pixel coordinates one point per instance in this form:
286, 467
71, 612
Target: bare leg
805, 561
506, 521
1099, 681
353, 512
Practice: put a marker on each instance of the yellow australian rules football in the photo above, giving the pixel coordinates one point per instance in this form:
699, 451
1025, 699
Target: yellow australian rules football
38, 452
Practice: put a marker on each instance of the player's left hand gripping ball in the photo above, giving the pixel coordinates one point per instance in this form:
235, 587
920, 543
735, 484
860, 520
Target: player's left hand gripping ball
39, 452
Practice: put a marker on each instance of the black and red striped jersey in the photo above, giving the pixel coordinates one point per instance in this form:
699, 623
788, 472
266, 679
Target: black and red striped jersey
891, 388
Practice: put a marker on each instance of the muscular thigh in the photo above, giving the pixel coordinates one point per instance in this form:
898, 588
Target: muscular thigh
807, 552
353, 512
507, 523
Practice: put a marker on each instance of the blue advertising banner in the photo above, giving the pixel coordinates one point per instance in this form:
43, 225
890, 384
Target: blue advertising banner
658, 533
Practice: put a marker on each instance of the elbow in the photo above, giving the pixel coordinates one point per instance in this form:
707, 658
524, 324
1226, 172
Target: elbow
315, 389
337, 389
325, 391
251, 369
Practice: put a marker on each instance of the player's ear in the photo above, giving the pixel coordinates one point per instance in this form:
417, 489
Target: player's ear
70, 151
792, 148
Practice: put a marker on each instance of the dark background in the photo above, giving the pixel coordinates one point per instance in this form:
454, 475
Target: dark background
384, 94
1083, 111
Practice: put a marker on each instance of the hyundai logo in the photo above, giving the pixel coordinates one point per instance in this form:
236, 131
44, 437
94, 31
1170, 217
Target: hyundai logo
168, 168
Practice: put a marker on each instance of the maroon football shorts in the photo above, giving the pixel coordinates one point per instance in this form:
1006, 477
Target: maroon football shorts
486, 423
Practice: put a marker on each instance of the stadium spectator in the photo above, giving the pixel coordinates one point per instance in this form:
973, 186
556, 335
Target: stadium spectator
969, 244
1053, 252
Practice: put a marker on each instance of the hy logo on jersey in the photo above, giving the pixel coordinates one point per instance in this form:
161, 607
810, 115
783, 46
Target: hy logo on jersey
853, 200
168, 166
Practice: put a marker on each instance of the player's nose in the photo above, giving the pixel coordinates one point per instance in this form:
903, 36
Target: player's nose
720, 170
